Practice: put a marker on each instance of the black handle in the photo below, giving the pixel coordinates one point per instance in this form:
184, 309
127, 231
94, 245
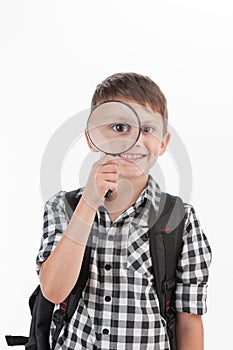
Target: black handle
108, 194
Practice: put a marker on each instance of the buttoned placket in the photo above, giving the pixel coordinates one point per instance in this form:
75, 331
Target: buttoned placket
109, 241
108, 286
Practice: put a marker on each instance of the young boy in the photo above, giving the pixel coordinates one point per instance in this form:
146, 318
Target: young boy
119, 307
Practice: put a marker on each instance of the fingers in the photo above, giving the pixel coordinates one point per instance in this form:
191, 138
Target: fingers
109, 177
103, 177
110, 168
107, 159
109, 165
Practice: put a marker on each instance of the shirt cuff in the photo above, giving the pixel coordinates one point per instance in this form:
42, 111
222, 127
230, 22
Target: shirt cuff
191, 298
42, 256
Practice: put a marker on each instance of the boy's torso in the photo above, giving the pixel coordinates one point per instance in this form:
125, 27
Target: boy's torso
121, 266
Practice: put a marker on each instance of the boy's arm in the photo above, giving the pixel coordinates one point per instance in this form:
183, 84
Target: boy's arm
189, 332
60, 270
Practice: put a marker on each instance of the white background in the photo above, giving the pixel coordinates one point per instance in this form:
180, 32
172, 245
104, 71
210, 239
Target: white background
53, 54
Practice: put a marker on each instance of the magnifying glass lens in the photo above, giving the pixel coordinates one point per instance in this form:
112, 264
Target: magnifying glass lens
113, 127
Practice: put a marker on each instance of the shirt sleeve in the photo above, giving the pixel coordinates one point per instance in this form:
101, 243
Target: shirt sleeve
55, 222
193, 267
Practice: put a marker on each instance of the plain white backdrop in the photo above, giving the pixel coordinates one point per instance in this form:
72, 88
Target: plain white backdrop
53, 54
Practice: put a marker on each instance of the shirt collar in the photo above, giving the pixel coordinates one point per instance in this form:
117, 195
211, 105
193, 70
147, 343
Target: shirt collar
151, 194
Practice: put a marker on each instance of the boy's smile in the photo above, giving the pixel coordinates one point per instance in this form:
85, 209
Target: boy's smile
132, 157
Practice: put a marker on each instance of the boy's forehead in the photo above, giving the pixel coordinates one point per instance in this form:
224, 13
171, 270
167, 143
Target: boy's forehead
145, 113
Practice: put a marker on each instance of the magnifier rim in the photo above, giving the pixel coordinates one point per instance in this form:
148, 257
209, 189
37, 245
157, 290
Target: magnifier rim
133, 110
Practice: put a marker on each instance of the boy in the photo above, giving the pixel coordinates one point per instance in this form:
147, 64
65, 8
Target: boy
119, 307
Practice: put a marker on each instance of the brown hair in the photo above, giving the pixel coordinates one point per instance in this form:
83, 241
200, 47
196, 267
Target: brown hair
134, 87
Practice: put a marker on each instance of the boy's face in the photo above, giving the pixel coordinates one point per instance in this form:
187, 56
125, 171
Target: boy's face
151, 144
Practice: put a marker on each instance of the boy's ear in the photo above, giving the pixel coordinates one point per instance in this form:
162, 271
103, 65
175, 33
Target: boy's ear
92, 148
164, 143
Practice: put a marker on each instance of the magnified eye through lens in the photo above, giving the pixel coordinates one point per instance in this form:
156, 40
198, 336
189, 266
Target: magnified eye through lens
121, 128
113, 127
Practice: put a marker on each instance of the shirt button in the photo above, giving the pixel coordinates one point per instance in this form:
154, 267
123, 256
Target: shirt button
105, 331
110, 238
107, 298
107, 267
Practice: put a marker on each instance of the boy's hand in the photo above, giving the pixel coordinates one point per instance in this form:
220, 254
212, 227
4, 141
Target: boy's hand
103, 177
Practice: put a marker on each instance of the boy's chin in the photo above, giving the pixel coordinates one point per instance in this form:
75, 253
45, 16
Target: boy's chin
134, 169
134, 172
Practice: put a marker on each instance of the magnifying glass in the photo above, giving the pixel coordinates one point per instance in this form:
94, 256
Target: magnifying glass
113, 127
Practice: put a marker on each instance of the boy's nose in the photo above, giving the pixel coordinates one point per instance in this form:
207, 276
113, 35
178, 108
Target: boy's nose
141, 137
140, 140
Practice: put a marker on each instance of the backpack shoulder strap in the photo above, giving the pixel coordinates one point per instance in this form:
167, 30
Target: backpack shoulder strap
165, 246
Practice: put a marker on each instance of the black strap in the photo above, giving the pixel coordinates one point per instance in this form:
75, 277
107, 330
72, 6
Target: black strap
41, 320
165, 246
67, 308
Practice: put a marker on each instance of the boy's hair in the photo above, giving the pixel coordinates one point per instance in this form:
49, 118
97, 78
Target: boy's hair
133, 87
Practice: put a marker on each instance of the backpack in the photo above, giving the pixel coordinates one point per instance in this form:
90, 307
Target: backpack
165, 239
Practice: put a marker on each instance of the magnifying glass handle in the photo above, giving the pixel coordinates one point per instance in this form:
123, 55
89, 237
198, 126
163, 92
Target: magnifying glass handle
108, 194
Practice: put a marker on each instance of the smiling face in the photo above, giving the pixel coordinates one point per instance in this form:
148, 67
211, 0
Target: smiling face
152, 142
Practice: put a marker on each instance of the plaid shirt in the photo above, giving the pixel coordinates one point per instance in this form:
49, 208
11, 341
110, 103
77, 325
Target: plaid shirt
119, 308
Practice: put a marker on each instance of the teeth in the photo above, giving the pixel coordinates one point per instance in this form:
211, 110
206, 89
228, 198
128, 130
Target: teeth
132, 156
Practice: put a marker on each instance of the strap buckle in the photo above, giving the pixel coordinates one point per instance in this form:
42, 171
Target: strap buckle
59, 317
167, 285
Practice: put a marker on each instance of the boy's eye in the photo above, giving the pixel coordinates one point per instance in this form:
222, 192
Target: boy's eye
121, 127
147, 129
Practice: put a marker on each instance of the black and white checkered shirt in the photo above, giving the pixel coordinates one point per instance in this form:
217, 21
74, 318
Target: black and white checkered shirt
119, 308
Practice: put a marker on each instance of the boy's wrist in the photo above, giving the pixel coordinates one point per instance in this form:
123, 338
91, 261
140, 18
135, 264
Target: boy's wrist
78, 230
85, 212
90, 203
